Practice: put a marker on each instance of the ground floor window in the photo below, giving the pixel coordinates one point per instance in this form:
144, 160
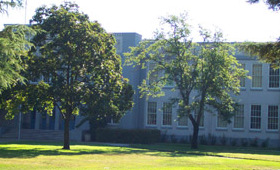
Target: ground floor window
255, 117
152, 113
167, 114
221, 123
273, 119
183, 121
201, 123
238, 119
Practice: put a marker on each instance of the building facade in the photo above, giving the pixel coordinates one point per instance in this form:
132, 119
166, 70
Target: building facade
256, 120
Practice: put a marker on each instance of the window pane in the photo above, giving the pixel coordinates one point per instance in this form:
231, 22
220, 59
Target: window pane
256, 117
242, 80
239, 117
272, 118
152, 113
257, 75
273, 78
221, 123
167, 114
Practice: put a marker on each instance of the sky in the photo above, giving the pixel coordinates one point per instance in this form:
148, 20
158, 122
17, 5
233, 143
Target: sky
238, 20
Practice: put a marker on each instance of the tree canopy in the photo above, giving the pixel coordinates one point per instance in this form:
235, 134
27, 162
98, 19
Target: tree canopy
14, 45
269, 51
73, 60
273, 4
4, 5
203, 74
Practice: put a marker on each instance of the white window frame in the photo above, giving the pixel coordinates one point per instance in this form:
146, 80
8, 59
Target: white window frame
220, 120
187, 122
274, 76
148, 113
243, 79
239, 115
257, 76
272, 117
166, 112
256, 116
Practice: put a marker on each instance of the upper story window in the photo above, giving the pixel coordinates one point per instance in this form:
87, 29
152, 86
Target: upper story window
273, 77
242, 80
153, 74
257, 76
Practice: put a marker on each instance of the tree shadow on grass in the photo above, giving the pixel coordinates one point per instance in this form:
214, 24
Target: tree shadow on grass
33, 149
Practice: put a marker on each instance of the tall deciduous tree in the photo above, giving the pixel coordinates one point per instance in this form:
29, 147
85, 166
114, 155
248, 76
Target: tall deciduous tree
204, 74
76, 58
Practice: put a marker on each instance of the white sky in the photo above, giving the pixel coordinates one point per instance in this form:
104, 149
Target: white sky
238, 20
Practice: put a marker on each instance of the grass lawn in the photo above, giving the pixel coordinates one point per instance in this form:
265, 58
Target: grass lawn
47, 155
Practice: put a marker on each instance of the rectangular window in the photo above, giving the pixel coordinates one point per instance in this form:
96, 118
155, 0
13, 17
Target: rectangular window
273, 118
273, 77
152, 113
257, 76
167, 114
242, 80
221, 123
201, 123
255, 117
183, 121
239, 117
153, 77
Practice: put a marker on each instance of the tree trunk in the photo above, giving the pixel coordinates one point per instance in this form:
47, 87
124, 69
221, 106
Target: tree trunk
66, 144
194, 142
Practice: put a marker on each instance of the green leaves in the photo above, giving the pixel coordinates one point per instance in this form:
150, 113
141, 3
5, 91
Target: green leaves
267, 52
14, 45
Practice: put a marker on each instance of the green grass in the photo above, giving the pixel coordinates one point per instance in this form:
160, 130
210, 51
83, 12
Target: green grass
46, 155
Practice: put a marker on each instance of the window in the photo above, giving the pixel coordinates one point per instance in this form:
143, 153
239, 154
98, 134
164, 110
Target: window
201, 123
242, 80
152, 113
273, 77
255, 117
153, 74
273, 119
183, 121
257, 76
167, 114
239, 117
221, 123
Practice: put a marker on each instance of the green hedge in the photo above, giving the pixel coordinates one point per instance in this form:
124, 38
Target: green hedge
142, 136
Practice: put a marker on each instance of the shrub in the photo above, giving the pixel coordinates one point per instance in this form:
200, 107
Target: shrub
233, 142
141, 136
173, 139
223, 140
254, 142
212, 139
244, 142
265, 143
202, 140
184, 140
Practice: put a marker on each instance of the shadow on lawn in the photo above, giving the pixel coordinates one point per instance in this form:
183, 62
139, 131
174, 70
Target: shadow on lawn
34, 149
